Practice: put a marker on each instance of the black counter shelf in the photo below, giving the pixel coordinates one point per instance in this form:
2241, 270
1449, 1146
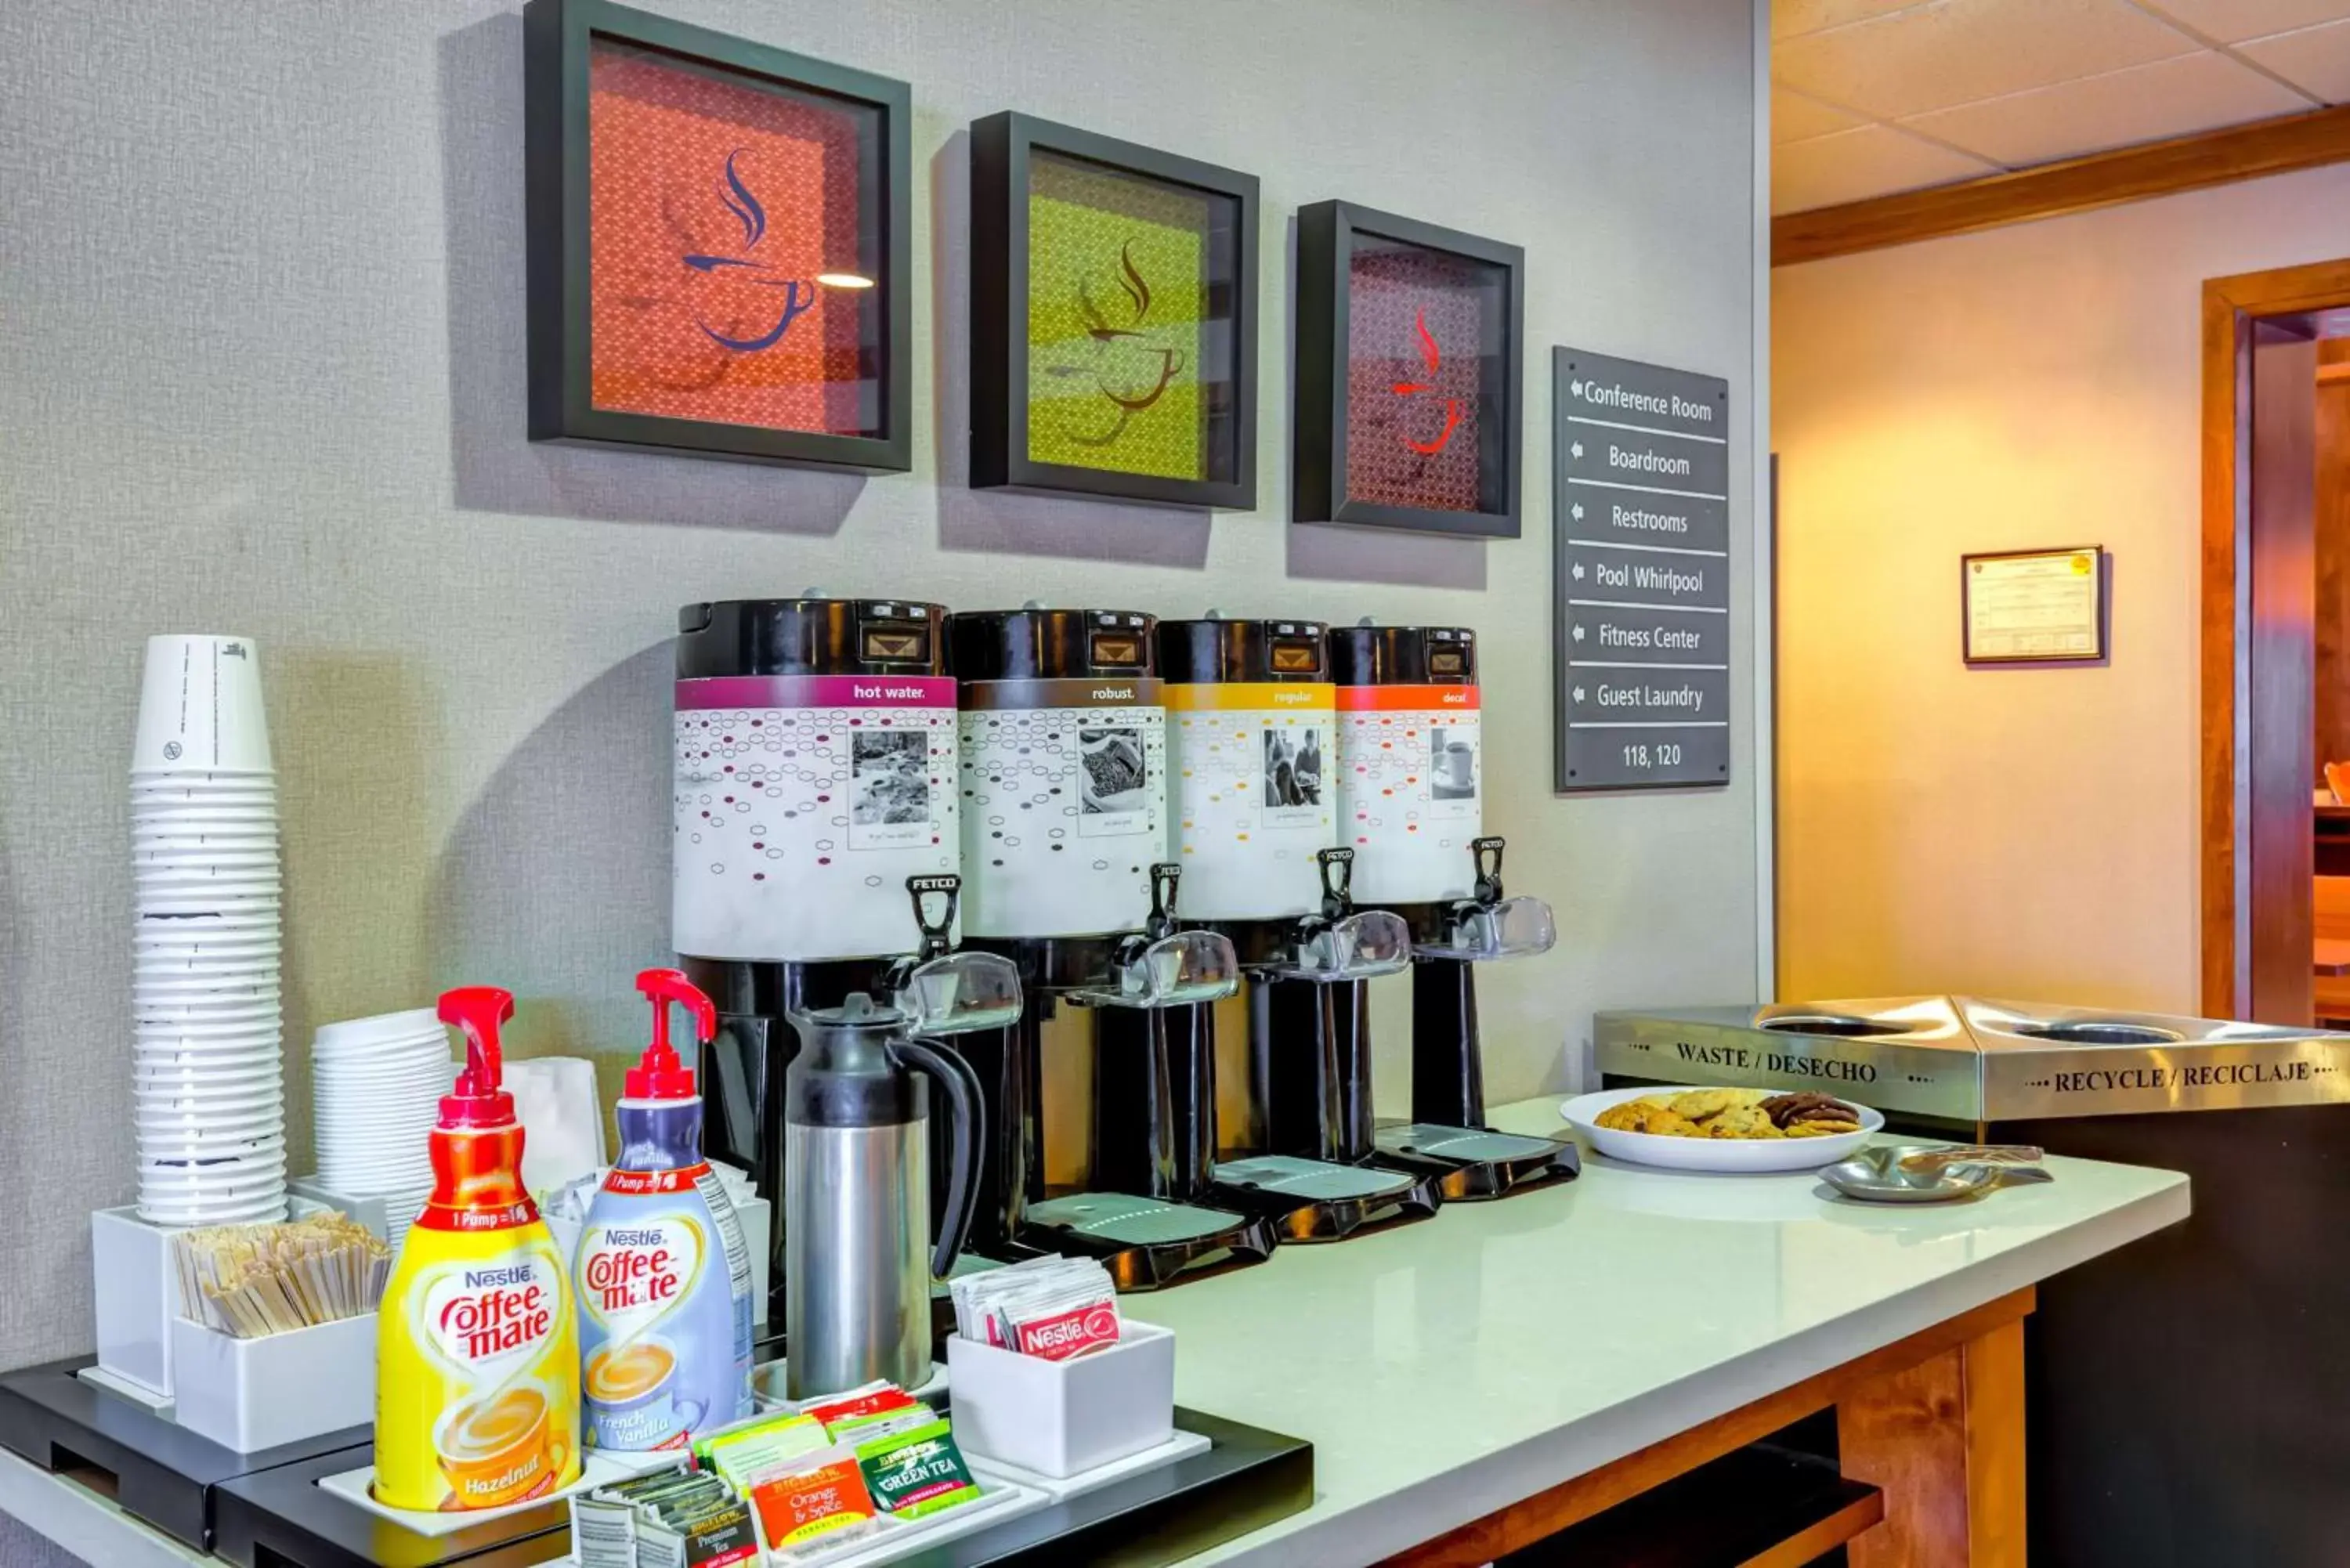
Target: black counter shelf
281, 1518
161, 1472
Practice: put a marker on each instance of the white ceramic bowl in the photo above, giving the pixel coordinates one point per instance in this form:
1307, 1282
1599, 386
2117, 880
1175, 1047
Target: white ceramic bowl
1582, 1113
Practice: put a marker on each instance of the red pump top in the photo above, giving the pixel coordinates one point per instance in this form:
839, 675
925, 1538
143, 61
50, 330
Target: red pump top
477, 1101
661, 1076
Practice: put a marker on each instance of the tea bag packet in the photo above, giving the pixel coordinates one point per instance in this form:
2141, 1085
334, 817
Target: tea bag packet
820, 1502
917, 1473
604, 1519
863, 1428
701, 1531
857, 1405
743, 1453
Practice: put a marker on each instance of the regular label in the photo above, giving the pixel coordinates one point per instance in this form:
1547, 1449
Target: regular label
1254, 800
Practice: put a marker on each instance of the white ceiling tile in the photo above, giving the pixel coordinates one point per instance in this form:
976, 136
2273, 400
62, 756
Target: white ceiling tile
1852, 165
1795, 118
2145, 103
2233, 21
1789, 18
1951, 52
2315, 58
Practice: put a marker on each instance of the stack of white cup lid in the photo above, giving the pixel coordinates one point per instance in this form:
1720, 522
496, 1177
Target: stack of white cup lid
377, 1084
208, 1071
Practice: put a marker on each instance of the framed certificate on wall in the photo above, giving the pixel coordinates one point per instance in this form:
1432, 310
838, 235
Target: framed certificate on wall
2034, 606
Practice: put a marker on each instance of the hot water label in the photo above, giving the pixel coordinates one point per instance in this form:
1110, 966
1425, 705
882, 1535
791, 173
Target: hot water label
797, 800
1252, 797
1410, 782
1064, 785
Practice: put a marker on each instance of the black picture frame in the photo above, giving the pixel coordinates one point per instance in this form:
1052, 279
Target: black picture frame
1327, 237
558, 37
2100, 566
1003, 147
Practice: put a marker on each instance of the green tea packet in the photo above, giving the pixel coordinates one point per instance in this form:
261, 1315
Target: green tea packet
916, 1473
857, 1430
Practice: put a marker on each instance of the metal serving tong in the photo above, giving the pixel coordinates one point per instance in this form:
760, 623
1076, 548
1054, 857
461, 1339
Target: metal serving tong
1913, 1173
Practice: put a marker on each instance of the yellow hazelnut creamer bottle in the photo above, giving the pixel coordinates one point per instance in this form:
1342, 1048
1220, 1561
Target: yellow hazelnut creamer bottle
477, 1364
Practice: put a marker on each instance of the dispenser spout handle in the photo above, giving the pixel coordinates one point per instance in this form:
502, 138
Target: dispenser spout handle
1338, 882
1166, 877
935, 898
1486, 853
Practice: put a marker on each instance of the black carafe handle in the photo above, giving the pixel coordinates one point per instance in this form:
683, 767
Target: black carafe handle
967, 1130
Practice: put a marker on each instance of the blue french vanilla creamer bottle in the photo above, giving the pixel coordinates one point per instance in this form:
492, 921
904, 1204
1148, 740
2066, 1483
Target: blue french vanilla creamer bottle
663, 1276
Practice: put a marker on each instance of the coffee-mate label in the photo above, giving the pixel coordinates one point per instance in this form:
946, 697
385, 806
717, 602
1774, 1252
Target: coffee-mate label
1410, 783
475, 1403
664, 1334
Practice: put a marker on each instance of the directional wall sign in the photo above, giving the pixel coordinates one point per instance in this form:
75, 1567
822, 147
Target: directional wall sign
1641, 525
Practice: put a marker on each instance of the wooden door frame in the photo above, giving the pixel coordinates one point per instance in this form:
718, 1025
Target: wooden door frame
2232, 306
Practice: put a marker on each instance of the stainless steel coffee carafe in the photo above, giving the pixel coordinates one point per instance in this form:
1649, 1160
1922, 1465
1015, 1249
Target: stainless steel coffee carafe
860, 1244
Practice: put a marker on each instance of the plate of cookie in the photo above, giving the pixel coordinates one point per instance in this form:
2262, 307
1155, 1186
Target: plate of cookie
1706, 1128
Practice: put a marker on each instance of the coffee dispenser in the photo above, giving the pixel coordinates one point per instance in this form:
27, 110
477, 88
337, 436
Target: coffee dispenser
1064, 764
1411, 791
1255, 831
815, 780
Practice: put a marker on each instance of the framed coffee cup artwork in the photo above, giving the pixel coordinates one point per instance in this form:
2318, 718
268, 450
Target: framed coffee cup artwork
1114, 306
1409, 342
719, 241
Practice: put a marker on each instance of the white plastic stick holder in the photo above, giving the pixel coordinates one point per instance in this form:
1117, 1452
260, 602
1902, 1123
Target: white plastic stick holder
1058, 1418
253, 1394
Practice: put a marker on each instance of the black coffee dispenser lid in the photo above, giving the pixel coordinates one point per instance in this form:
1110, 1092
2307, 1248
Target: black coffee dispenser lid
1215, 650
812, 635
1036, 644
1368, 655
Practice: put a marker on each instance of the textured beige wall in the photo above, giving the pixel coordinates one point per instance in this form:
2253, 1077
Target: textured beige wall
261, 371
2025, 832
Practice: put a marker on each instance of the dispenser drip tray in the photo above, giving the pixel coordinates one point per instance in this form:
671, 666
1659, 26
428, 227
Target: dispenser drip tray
1476, 1162
1147, 1242
1311, 1179
1120, 1217
1322, 1201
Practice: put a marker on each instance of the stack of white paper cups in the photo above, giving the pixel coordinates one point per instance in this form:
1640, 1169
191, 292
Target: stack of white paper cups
378, 1084
209, 1073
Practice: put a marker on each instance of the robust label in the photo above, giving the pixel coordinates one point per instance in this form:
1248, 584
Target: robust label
1093, 1326
1254, 797
797, 799
1928, 1073
664, 1325
477, 1386
1065, 805
1642, 563
1410, 774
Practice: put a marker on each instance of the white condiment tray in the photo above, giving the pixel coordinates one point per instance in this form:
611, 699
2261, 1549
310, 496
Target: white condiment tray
890, 1538
357, 1487
1181, 1445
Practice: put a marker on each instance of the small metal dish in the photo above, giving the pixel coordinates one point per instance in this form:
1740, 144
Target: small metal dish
1932, 1173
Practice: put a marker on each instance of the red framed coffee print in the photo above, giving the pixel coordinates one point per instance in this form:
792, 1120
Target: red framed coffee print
719, 239
1408, 347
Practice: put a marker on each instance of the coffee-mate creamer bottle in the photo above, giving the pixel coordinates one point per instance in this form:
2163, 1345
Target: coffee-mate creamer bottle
664, 1277
477, 1365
